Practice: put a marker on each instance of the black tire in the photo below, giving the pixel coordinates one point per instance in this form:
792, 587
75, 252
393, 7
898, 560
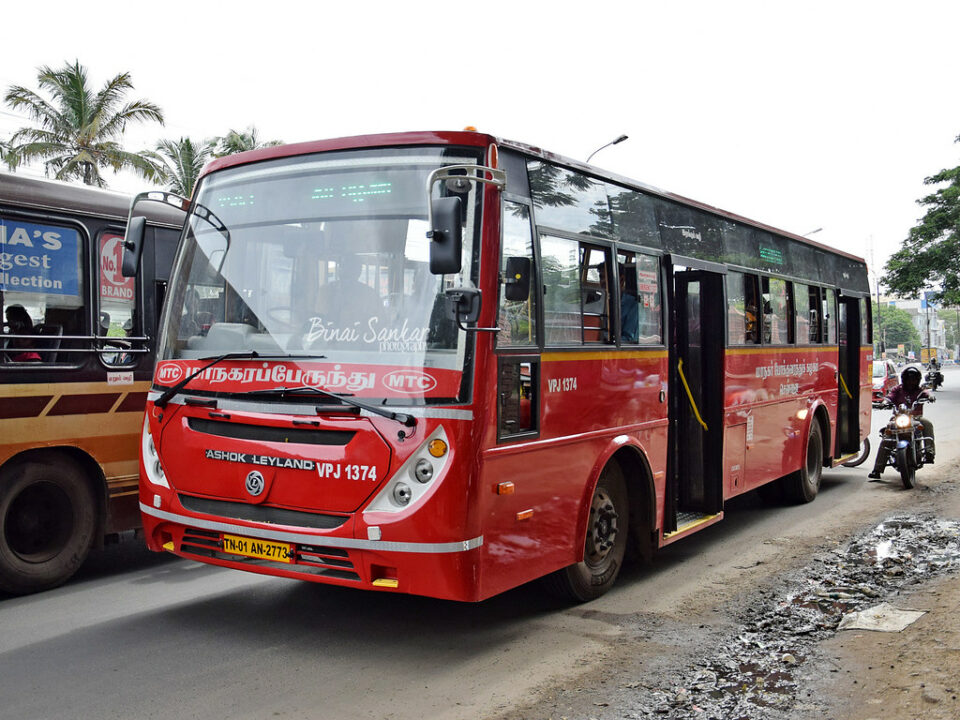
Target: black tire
806, 481
861, 458
907, 471
604, 545
48, 520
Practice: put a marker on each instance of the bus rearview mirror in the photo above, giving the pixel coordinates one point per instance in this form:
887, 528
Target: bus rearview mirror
516, 279
446, 236
133, 245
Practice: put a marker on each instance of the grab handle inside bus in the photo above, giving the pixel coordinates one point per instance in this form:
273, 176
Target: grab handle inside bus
133, 245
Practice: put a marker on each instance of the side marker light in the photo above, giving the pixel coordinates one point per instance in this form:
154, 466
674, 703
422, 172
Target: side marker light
525, 515
437, 448
506, 488
168, 546
386, 582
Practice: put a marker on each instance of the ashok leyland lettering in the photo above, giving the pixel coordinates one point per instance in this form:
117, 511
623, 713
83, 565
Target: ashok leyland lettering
441, 364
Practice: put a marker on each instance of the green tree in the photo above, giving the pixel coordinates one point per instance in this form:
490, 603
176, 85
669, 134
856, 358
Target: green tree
894, 326
78, 131
930, 256
241, 141
182, 160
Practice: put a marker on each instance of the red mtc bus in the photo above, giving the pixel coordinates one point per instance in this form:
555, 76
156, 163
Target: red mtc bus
570, 363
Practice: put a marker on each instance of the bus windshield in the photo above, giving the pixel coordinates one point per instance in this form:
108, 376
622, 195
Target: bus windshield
325, 258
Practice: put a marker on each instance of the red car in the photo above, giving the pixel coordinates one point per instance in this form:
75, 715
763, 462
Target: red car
884, 379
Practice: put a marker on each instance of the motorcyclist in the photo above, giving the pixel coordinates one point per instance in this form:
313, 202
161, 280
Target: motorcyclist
907, 393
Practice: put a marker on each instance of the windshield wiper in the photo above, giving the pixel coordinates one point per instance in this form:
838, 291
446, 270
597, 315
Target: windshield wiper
251, 355
402, 418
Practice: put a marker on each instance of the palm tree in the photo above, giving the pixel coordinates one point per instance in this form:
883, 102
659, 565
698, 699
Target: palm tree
234, 142
79, 131
182, 161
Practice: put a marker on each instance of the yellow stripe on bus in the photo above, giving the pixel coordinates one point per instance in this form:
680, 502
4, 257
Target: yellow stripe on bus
778, 350
70, 388
603, 355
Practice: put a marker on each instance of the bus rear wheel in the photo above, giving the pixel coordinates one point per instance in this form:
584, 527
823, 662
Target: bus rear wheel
604, 545
806, 481
48, 520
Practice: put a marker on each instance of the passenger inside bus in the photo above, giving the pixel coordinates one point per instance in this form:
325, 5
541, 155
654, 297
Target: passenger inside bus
348, 301
19, 323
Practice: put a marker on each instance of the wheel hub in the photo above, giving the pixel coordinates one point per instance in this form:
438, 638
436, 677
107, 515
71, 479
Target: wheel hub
603, 528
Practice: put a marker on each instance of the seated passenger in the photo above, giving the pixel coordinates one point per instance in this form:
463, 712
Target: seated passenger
19, 323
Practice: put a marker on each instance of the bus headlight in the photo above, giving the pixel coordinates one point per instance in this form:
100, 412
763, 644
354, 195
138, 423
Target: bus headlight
402, 493
423, 470
151, 458
423, 467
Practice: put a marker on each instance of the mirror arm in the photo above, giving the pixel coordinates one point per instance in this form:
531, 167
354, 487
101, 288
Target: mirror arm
474, 329
498, 178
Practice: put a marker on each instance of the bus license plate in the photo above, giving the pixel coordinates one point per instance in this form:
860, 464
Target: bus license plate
263, 549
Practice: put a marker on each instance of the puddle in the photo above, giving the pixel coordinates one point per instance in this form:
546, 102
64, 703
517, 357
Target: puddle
755, 673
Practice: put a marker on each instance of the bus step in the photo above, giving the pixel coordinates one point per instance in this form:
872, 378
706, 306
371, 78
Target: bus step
688, 521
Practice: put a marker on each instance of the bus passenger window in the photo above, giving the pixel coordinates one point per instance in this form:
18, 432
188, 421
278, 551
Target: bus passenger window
576, 282
816, 323
42, 293
830, 316
639, 298
517, 318
741, 309
776, 311
801, 306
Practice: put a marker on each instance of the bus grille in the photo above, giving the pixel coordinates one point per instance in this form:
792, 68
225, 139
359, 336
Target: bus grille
316, 560
261, 513
267, 433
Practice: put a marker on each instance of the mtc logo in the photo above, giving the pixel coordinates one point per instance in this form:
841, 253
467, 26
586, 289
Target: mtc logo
409, 382
169, 373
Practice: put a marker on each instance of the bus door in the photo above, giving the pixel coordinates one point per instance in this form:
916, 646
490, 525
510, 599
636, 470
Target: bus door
848, 376
694, 488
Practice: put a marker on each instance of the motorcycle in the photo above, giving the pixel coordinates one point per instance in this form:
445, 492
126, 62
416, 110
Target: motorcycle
903, 437
933, 379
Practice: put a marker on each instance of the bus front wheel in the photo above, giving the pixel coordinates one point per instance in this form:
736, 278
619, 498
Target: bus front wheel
605, 543
48, 520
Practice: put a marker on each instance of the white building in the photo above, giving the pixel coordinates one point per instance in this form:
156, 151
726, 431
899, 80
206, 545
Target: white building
931, 328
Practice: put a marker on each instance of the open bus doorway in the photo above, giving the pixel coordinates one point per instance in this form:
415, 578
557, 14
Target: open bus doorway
695, 490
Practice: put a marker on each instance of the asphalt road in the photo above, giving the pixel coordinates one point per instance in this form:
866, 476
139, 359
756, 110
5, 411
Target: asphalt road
139, 635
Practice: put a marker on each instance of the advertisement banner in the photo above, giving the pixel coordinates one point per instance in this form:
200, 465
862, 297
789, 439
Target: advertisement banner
353, 379
41, 259
113, 285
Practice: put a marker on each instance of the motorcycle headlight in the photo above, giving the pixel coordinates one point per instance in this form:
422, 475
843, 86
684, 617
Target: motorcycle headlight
902, 421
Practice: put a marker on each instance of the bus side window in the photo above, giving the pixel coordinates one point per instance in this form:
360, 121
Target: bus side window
518, 386
816, 322
640, 318
517, 318
43, 295
742, 309
576, 283
776, 311
117, 317
830, 316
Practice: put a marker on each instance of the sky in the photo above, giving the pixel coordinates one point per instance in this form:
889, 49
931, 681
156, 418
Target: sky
814, 116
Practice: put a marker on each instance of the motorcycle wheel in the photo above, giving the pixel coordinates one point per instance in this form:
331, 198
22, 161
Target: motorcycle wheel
864, 454
907, 471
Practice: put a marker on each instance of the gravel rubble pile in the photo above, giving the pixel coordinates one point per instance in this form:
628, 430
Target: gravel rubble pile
757, 673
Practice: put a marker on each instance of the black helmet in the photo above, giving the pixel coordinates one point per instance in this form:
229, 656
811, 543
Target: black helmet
912, 373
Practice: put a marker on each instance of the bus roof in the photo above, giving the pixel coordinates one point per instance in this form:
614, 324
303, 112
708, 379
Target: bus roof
54, 195
482, 140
